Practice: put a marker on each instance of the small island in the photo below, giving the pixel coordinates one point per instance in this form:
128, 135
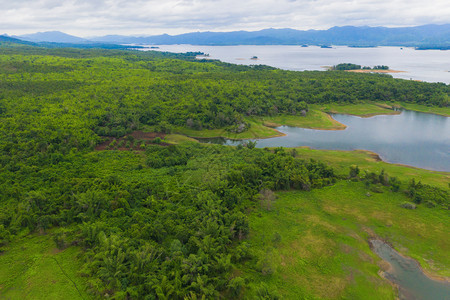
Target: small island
254, 57
362, 69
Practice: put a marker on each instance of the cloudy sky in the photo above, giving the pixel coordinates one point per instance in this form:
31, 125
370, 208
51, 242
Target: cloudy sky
148, 17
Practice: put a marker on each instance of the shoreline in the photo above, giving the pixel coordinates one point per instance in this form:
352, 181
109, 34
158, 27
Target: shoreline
369, 115
399, 106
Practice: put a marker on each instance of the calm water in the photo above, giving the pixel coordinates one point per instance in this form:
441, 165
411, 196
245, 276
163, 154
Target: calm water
425, 65
406, 273
410, 138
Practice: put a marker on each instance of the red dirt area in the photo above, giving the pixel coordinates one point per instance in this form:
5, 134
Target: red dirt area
135, 140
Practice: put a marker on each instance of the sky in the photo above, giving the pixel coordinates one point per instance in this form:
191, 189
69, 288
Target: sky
87, 18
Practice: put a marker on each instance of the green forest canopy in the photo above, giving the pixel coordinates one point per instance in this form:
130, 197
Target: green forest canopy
169, 221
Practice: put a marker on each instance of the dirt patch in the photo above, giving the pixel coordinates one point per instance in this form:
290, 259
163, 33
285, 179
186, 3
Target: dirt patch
55, 251
347, 249
365, 257
132, 141
271, 124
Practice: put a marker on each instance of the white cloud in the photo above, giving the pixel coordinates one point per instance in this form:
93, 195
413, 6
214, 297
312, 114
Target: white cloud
147, 17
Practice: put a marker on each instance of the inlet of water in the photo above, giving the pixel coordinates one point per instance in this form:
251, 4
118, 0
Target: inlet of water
406, 273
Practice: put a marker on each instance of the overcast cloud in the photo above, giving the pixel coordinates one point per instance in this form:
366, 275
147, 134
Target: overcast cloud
148, 17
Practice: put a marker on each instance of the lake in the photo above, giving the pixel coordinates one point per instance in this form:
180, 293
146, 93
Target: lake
425, 65
406, 273
411, 138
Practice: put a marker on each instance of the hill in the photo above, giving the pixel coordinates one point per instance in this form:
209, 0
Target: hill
52, 36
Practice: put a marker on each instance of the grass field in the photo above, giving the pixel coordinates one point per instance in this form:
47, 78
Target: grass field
365, 160
313, 245
178, 139
361, 109
315, 119
371, 108
445, 111
32, 268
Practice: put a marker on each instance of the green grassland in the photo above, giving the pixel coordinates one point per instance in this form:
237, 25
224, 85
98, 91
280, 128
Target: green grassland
365, 160
445, 111
315, 119
33, 268
361, 109
178, 139
314, 245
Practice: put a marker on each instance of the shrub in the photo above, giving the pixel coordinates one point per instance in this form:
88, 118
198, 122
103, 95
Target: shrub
376, 189
408, 205
236, 285
354, 171
263, 292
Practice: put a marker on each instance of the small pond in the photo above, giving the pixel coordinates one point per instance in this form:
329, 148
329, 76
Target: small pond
406, 273
412, 138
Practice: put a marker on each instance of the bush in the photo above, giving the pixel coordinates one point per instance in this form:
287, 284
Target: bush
267, 197
354, 171
113, 143
251, 144
276, 238
408, 205
430, 204
263, 292
265, 266
376, 189
236, 285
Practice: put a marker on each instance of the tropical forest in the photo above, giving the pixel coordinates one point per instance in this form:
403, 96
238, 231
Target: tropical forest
108, 189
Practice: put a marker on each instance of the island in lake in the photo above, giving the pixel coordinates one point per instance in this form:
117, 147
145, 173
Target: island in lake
362, 69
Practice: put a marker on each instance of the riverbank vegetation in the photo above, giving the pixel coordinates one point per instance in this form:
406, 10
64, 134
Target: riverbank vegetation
96, 184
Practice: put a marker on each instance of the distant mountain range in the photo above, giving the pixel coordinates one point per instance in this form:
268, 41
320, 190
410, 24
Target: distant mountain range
431, 36
85, 44
52, 37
